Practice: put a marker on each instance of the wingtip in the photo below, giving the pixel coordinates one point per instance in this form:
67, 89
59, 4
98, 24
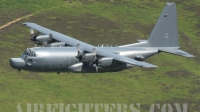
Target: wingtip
147, 65
190, 56
170, 4
24, 24
27, 23
151, 66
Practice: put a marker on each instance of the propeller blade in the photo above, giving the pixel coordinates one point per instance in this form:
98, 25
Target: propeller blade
97, 69
95, 55
78, 47
31, 31
33, 37
78, 50
94, 51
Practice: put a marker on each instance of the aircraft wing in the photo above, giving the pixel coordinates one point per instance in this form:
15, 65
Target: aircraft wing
86, 47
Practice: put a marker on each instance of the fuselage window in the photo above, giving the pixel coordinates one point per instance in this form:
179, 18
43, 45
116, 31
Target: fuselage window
30, 60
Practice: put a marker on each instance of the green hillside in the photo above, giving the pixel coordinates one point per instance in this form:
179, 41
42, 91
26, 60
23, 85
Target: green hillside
176, 80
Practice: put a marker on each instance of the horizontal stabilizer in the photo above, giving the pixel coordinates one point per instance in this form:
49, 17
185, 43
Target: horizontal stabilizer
176, 51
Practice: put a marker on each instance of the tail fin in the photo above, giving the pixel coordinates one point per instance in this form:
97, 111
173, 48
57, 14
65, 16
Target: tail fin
165, 32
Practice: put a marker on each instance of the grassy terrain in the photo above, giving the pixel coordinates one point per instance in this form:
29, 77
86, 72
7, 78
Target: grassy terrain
176, 80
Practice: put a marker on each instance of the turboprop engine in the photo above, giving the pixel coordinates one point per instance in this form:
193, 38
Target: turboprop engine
40, 39
43, 39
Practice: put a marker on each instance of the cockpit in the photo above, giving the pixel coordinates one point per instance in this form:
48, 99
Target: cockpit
29, 52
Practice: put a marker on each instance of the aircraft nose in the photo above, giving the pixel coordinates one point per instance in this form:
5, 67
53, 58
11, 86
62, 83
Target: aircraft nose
17, 63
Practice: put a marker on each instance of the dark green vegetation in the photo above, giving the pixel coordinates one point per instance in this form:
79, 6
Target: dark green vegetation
176, 80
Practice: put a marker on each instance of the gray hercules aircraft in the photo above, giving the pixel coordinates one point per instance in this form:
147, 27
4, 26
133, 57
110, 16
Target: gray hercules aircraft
61, 53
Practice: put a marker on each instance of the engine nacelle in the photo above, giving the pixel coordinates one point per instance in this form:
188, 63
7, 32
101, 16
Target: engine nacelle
57, 44
88, 57
76, 67
106, 61
43, 39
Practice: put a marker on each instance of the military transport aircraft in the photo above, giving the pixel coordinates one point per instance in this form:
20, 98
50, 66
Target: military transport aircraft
61, 53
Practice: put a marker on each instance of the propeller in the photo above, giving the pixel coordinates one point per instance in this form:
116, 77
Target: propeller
95, 61
33, 36
79, 56
80, 53
78, 50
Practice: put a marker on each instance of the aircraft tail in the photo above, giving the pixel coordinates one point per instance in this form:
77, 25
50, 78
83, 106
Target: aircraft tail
164, 35
165, 32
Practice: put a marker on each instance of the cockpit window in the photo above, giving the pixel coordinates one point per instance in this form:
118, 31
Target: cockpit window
24, 52
30, 53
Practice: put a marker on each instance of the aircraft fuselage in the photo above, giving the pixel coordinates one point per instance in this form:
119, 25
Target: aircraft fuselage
63, 59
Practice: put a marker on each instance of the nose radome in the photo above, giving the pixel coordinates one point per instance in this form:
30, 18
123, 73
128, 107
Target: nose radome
17, 63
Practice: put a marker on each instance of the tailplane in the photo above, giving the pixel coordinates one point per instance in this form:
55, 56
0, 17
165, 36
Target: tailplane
175, 51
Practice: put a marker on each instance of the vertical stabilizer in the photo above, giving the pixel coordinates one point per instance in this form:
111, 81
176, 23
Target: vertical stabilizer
165, 32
